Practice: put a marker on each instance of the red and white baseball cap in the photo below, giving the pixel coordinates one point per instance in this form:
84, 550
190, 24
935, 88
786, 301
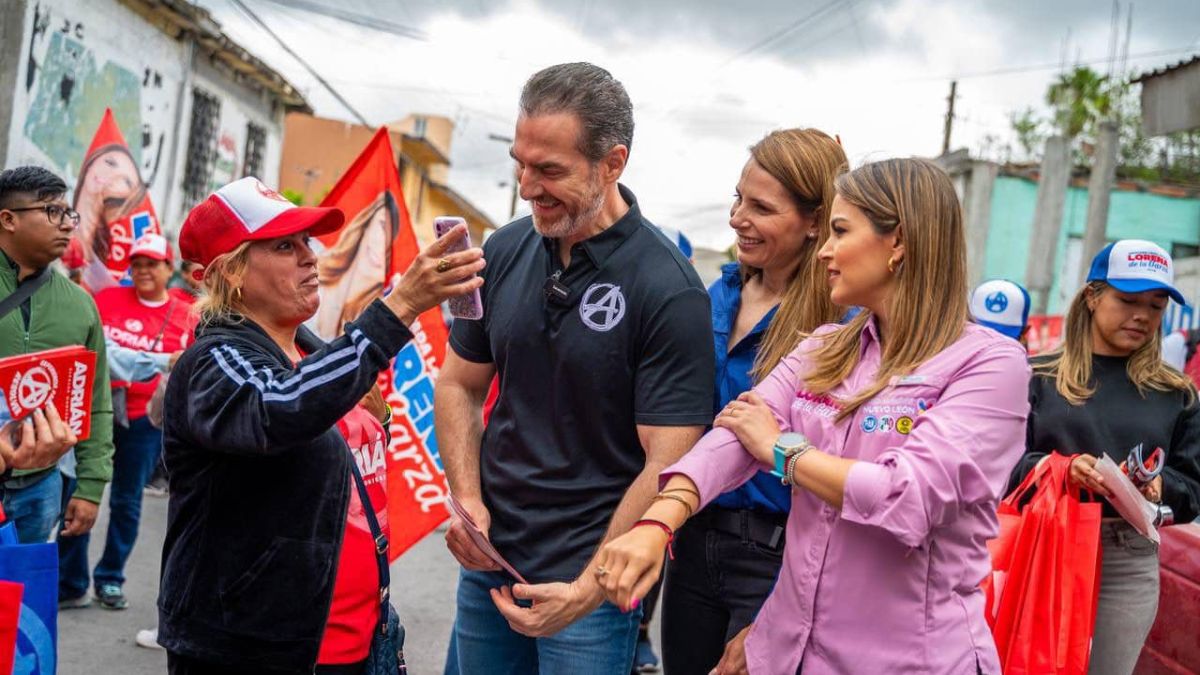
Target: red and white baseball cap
151, 245
247, 210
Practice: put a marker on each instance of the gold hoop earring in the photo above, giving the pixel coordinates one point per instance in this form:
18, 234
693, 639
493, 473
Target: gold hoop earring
237, 294
892, 265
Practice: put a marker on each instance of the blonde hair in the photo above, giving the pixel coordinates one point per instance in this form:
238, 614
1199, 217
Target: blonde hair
806, 162
1071, 364
221, 300
928, 308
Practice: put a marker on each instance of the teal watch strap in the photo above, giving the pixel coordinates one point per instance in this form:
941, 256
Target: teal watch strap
785, 446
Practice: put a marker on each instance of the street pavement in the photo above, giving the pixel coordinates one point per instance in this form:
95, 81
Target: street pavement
95, 641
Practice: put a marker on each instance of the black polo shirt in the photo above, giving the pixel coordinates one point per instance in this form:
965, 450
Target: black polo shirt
632, 344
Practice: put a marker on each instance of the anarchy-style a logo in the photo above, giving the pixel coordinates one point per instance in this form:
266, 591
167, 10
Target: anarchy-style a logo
32, 388
996, 302
602, 307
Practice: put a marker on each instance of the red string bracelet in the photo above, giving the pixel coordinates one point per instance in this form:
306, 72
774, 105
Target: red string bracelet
665, 528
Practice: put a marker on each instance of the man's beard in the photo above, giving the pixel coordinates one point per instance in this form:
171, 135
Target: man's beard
571, 224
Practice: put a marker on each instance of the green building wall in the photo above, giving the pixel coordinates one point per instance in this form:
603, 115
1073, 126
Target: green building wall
1167, 221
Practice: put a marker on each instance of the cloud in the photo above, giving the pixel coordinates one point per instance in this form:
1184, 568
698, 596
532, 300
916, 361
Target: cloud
705, 81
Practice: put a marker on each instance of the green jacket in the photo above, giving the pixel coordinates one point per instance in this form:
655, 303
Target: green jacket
63, 314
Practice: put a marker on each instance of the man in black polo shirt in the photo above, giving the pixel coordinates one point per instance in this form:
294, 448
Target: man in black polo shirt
599, 331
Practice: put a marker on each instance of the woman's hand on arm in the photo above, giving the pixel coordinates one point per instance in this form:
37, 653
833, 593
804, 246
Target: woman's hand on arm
751, 420
424, 286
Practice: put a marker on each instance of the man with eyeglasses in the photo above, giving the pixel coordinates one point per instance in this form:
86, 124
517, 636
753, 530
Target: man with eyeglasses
35, 227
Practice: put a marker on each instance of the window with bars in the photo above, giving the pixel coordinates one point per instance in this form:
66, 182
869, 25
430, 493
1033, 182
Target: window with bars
202, 146
256, 147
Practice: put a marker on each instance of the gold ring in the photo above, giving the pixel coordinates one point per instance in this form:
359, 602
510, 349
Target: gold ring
443, 265
600, 571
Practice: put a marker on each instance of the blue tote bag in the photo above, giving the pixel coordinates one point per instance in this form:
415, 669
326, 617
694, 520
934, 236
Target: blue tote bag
35, 566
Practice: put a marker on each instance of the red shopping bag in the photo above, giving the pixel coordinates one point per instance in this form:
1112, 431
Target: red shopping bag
1042, 593
10, 613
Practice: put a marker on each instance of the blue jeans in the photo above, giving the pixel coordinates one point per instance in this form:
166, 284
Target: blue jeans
136, 452
600, 643
34, 508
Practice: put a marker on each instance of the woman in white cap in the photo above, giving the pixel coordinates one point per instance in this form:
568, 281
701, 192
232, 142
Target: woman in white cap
275, 558
1107, 390
146, 317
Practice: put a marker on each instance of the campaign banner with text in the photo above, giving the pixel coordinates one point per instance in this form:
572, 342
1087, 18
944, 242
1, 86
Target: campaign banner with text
356, 265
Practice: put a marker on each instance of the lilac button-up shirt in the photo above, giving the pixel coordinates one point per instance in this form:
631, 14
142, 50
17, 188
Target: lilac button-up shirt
890, 584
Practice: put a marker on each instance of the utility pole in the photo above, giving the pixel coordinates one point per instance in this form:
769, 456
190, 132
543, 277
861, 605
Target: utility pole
949, 117
516, 186
1047, 221
1100, 185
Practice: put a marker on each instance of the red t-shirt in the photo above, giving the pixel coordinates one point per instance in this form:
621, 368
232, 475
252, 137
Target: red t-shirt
355, 609
132, 322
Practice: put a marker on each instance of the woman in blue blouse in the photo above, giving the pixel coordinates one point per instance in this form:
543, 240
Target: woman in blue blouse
728, 555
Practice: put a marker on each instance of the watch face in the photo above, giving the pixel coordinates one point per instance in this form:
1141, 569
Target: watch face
791, 440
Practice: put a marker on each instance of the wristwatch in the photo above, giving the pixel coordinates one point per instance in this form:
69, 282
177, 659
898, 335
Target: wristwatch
788, 446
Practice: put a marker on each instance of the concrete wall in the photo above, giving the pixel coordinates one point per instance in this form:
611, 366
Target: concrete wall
1171, 102
1132, 215
78, 58
240, 106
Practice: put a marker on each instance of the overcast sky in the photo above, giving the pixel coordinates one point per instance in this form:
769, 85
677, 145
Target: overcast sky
707, 79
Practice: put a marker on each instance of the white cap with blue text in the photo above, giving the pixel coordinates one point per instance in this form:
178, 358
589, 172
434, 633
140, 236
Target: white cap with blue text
1002, 306
1136, 266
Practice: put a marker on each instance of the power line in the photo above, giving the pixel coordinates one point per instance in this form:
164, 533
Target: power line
312, 71
1047, 66
372, 22
780, 34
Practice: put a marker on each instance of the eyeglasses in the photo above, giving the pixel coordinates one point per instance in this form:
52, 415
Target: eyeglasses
55, 213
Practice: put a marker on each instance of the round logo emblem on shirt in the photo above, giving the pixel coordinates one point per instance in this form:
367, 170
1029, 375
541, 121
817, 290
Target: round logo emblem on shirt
996, 302
133, 325
885, 424
870, 424
904, 425
602, 307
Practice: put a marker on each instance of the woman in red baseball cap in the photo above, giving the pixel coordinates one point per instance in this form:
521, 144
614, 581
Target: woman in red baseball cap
274, 560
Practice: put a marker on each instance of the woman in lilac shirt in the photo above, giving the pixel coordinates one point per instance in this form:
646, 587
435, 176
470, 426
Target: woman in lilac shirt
896, 432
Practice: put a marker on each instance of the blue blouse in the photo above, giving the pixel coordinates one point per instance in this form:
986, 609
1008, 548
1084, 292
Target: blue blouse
763, 492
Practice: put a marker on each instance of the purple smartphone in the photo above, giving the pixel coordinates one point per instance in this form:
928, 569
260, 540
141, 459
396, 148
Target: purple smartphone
468, 306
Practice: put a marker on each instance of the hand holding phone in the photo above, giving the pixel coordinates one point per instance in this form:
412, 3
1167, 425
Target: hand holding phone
470, 305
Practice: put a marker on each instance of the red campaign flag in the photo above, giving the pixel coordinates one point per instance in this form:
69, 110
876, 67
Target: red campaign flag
64, 375
114, 209
358, 262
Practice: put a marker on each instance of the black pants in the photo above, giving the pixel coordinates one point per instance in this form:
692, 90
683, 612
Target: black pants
178, 664
716, 584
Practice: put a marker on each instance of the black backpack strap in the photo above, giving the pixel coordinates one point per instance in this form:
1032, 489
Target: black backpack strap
24, 292
381, 545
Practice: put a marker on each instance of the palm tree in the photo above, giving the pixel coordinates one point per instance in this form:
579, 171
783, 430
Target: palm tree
1079, 99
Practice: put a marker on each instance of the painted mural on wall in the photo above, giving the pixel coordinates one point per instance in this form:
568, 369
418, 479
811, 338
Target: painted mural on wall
72, 73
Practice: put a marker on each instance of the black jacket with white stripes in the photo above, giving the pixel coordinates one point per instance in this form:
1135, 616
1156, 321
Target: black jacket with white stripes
259, 484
